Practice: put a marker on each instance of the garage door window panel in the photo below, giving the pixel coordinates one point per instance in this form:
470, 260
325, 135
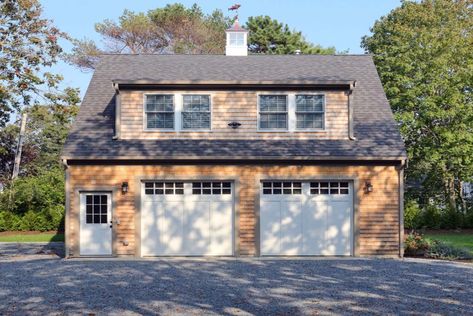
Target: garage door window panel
332, 188
211, 188
285, 187
164, 188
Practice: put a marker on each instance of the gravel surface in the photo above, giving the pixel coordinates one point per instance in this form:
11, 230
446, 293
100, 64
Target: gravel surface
18, 249
40, 285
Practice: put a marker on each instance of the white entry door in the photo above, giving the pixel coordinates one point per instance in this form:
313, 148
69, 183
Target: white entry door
187, 218
95, 224
306, 218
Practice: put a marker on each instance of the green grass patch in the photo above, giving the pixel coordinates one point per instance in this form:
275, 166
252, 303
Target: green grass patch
458, 240
37, 237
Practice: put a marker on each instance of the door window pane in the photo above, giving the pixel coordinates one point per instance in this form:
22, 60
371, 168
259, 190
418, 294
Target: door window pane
96, 207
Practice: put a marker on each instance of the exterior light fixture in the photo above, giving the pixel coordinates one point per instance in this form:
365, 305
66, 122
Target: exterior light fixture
234, 125
368, 187
124, 187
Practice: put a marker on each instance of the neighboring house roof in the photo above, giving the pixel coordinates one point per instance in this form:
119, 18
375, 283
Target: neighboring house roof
377, 136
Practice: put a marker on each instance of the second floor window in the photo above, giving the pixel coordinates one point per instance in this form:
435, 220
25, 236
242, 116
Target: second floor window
273, 112
310, 111
159, 111
196, 112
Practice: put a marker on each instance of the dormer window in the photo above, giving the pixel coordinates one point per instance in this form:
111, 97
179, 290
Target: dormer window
159, 111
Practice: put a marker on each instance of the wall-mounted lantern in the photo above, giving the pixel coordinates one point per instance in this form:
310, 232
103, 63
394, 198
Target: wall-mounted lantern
234, 125
368, 187
124, 187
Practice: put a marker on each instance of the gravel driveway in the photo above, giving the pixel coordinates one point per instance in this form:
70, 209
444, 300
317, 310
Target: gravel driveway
50, 285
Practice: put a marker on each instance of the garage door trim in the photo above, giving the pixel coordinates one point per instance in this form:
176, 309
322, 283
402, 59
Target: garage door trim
354, 218
139, 187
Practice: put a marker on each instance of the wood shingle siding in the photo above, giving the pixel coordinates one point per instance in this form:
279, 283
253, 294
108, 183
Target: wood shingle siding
228, 106
376, 214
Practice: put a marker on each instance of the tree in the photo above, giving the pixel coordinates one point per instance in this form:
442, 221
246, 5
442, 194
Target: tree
46, 132
175, 29
424, 54
269, 36
28, 45
172, 29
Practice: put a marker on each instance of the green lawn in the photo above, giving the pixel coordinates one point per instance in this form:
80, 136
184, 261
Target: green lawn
37, 237
460, 240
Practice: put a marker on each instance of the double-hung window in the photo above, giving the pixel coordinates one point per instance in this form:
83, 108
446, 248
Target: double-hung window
310, 112
159, 111
273, 112
196, 112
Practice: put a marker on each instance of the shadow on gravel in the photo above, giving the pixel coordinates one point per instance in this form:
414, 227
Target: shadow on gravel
227, 287
12, 249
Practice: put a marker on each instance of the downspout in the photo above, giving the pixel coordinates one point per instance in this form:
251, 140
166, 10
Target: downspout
67, 208
401, 207
117, 112
351, 134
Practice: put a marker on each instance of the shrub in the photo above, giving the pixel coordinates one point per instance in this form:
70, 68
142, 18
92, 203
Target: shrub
431, 216
45, 220
412, 215
441, 250
415, 244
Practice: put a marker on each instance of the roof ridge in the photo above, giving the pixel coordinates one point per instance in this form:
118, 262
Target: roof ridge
250, 55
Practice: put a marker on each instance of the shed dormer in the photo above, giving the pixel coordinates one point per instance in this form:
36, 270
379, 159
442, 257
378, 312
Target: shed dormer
237, 40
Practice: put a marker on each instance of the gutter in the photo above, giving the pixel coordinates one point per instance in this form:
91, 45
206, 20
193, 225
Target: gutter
117, 111
351, 134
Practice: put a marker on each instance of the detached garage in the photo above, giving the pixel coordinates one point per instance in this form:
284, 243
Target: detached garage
306, 218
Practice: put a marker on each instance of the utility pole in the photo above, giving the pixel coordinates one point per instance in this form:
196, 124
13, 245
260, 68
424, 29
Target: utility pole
21, 137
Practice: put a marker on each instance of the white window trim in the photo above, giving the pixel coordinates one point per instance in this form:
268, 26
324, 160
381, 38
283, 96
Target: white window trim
324, 122
145, 117
291, 113
181, 129
178, 100
273, 130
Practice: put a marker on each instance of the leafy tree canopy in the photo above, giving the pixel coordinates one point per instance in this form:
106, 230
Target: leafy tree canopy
269, 36
28, 45
172, 29
424, 54
176, 29
47, 129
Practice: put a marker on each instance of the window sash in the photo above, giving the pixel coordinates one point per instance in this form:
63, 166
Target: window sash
237, 39
310, 112
196, 112
273, 112
159, 111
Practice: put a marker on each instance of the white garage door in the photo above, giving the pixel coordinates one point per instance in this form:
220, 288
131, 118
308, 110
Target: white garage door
187, 218
306, 218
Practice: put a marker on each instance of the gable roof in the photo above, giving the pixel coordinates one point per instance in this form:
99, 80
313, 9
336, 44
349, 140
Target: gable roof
377, 136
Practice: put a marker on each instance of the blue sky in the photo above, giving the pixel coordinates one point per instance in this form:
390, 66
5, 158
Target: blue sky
339, 23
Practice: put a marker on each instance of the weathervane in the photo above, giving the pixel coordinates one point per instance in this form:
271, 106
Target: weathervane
235, 8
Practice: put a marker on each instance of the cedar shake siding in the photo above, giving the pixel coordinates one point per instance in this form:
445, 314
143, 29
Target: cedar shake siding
376, 214
232, 106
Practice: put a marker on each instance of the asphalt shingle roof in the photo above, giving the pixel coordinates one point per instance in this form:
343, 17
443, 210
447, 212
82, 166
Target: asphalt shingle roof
377, 136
